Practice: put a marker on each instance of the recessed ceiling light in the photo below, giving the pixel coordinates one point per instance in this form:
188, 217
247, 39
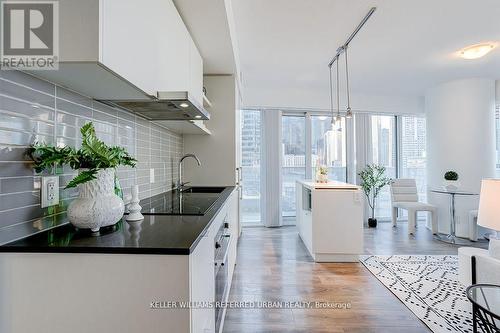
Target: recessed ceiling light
184, 105
476, 51
197, 116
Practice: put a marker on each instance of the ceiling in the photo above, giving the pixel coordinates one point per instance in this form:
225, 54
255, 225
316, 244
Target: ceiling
405, 48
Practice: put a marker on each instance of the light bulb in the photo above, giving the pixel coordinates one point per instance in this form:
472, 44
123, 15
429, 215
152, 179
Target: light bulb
348, 114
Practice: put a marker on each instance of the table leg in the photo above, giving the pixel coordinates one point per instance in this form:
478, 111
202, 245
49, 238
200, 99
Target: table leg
474, 318
452, 218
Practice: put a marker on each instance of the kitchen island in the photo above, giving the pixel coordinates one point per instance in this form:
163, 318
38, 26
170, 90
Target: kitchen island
330, 220
153, 274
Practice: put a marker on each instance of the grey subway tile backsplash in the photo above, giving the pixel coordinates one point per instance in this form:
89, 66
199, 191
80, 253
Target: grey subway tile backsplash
74, 109
35, 110
26, 94
15, 107
26, 80
73, 97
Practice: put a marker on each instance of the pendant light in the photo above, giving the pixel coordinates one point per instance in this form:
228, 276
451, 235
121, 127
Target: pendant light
349, 112
339, 119
331, 100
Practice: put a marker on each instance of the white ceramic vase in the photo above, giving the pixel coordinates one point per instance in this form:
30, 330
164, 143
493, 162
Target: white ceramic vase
97, 204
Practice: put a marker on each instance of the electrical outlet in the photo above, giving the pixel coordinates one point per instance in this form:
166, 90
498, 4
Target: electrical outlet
50, 191
151, 176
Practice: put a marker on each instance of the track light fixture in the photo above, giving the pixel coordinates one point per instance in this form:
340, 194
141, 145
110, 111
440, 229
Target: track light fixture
339, 119
340, 50
331, 100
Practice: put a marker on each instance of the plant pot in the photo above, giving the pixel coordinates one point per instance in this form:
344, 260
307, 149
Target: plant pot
451, 185
372, 223
97, 204
322, 178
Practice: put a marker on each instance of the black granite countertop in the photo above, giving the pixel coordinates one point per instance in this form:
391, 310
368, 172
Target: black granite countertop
156, 234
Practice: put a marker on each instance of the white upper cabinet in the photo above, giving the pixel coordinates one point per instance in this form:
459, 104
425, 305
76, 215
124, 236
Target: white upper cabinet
126, 49
195, 73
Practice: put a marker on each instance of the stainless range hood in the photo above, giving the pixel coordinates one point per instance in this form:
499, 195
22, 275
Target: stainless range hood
177, 105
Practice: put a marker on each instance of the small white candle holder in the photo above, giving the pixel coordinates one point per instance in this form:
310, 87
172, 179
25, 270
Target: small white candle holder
134, 214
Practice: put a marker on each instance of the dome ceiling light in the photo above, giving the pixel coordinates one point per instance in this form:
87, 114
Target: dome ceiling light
477, 51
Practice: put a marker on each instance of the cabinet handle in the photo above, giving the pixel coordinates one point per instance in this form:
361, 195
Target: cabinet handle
238, 170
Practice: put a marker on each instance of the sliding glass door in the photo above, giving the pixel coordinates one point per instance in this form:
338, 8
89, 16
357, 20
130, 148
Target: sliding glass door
293, 167
413, 157
250, 166
413, 153
384, 153
328, 147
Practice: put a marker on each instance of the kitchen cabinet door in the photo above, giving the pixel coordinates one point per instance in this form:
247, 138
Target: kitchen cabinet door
147, 43
195, 73
201, 267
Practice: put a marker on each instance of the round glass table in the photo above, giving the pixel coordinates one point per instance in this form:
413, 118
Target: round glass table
451, 237
485, 299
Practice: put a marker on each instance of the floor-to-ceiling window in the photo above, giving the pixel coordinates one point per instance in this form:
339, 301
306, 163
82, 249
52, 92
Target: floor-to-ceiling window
250, 166
413, 152
307, 139
293, 160
384, 153
413, 156
328, 147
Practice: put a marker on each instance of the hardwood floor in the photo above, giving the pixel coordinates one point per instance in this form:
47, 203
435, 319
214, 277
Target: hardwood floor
273, 265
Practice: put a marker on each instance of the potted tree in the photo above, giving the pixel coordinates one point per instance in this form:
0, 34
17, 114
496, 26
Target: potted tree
451, 181
373, 179
97, 204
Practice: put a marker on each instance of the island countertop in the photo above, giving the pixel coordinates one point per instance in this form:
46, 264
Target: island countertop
156, 234
333, 185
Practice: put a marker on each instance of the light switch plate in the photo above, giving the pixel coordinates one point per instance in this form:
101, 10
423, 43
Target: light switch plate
50, 191
151, 176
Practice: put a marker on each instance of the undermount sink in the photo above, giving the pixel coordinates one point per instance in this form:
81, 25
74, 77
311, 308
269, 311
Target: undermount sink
203, 189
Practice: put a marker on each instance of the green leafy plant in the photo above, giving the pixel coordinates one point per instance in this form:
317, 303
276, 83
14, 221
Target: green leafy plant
93, 156
451, 175
373, 179
323, 170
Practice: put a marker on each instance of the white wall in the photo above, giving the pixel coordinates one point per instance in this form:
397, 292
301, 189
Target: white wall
460, 137
319, 99
217, 152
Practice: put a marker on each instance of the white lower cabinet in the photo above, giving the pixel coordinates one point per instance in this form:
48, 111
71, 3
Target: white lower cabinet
202, 269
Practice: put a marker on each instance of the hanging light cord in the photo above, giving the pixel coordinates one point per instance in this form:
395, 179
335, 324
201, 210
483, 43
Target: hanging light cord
331, 97
347, 83
338, 90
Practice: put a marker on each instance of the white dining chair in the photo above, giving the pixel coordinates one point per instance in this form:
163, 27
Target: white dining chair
404, 195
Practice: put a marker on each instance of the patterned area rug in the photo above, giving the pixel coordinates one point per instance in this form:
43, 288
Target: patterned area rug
428, 286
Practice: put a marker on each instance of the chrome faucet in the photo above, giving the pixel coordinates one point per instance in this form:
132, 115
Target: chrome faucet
180, 184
